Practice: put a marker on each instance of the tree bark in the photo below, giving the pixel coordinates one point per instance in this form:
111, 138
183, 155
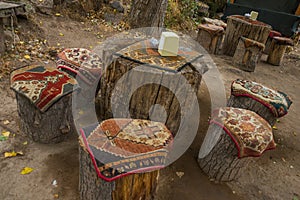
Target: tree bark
238, 26
115, 92
132, 187
222, 162
2, 40
149, 13
53, 126
91, 5
255, 106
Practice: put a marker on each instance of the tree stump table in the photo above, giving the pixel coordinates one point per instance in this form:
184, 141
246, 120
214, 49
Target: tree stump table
139, 80
233, 137
238, 26
44, 102
266, 102
277, 50
248, 54
210, 37
121, 158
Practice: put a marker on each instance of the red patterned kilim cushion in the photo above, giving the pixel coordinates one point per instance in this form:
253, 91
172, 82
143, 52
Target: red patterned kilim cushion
42, 85
81, 62
120, 147
277, 102
250, 132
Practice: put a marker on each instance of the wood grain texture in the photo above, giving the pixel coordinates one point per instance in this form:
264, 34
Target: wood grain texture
222, 162
276, 53
51, 126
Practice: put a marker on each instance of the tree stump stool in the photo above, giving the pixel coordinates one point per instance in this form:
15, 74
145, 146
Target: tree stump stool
139, 79
238, 26
234, 136
44, 102
248, 54
269, 40
210, 37
121, 158
277, 50
266, 102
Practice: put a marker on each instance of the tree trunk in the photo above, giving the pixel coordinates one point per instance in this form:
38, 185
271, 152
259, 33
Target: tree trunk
91, 5
132, 187
238, 26
141, 88
276, 53
150, 13
255, 106
222, 162
2, 40
49, 127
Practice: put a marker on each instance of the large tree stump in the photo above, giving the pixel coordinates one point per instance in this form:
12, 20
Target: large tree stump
48, 127
233, 137
222, 162
269, 40
238, 26
248, 54
143, 87
210, 37
147, 13
277, 50
132, 187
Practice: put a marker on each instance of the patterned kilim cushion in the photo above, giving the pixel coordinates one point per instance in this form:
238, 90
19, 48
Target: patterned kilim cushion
146, 52
81, 62
120, 147
42, 85
276, 101
251, 133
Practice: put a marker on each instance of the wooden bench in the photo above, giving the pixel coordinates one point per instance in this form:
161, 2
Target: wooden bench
266, 102
234, 136
248, 54
121, 158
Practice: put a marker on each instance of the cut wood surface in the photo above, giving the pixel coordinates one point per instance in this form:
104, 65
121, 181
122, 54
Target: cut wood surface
51, 126
276, 53
132, 187
238, 26
255, 106
222, 162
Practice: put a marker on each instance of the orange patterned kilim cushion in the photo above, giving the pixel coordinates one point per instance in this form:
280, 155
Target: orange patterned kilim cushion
120, 147
250, 132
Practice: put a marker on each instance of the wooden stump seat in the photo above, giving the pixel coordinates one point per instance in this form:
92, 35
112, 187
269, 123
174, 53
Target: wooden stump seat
235, 135
216, 22
269, 40
210, 37
277, 49
44, 102
121, 158
266, 102
248, 54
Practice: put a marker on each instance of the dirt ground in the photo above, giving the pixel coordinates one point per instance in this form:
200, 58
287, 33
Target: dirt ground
275, 175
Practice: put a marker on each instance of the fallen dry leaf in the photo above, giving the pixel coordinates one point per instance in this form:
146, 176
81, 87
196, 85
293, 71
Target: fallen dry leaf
26, 170
6, 122
27, 57
180, 174
5, 133
13, 154
3, 138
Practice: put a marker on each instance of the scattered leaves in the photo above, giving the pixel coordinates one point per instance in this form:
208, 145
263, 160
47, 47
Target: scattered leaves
26, 170
61, 34
25, 143
3, 138
27, 57
6, 122
57, 14
275, 128
13, 154
180, 174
